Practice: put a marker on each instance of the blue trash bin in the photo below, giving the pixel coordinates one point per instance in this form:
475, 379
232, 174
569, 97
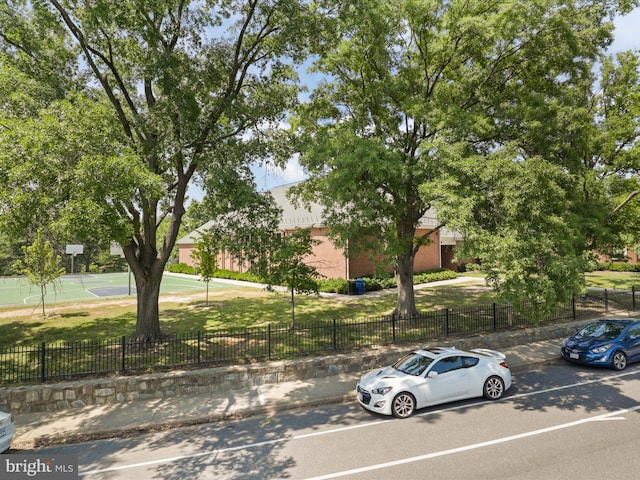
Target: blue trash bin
360, 286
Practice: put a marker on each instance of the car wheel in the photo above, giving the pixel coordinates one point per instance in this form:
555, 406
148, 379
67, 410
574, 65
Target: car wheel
619, 360
403, 405
493, 388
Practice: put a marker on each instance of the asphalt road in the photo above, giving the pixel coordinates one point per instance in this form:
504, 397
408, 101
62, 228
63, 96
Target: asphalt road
561, 422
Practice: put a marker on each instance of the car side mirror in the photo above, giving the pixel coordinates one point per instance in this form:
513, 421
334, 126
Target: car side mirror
432, 374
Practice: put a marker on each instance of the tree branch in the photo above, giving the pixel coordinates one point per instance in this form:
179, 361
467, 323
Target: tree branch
624, 202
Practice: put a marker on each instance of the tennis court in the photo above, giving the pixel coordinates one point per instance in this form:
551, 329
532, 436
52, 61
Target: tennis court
72, 288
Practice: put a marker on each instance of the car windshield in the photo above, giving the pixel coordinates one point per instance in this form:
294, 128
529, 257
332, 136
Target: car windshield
413, 364
603, 330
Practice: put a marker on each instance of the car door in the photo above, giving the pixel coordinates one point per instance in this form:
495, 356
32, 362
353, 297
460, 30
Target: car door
446, 380
631, 342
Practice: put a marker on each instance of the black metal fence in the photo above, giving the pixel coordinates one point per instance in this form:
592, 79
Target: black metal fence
55, 361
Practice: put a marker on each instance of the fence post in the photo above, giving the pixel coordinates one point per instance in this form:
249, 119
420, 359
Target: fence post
198, 347
43, 352
633, 297
573, 306
606, 301
335, 335
495, 317
269, 341
393, 327
446, 323
123, 346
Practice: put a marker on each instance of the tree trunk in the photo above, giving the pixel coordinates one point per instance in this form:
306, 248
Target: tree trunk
148, 314
406, 306
147, 263
43, 292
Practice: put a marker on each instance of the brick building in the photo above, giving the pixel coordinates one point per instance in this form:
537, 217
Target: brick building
627, 255
329, 260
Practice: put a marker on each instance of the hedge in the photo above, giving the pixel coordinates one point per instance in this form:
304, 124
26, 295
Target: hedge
328, 285
619, 266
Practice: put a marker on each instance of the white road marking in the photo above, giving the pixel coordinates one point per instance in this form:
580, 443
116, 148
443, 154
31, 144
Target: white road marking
606, 416
224, 450
471, 447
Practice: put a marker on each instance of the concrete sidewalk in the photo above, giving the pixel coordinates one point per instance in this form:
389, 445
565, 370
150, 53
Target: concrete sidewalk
131, 418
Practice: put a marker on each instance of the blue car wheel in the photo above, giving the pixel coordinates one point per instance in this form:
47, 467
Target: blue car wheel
619, 360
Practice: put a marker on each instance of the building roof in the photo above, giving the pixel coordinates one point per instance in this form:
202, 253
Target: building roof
297, 216
192, 237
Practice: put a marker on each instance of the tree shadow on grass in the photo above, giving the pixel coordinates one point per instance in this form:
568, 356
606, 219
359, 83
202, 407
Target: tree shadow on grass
74, 314
98, 328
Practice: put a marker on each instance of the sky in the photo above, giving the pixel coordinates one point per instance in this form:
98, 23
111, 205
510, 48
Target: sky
626, 37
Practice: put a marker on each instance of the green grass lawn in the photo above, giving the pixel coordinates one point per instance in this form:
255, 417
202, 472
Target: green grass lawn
237, 308
606, 279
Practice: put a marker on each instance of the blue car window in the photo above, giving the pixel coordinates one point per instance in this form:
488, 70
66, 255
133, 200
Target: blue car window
634, 332
603, 330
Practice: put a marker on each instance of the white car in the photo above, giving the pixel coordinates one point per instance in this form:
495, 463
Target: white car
431, 376
7, 431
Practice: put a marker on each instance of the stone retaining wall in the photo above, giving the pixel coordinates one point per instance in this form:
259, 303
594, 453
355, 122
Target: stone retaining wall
57, 396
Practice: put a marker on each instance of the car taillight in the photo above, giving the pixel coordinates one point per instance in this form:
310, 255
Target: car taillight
504, 364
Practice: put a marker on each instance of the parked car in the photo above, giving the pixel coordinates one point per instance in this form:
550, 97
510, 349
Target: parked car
613, 343
431, 376
7, 431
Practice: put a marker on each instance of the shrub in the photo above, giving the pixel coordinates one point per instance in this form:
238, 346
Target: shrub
625, 267
619, 266
469, 267
181, 268
373, 284
333, 285
327, 285
434, 276
242, 276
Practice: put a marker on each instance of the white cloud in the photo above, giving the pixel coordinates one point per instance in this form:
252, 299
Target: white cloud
271, 176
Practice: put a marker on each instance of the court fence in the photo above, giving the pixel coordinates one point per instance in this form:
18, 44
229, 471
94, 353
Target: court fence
32, 364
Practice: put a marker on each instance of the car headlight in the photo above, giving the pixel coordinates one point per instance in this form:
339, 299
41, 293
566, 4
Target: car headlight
601, 349
381, 390
564, 342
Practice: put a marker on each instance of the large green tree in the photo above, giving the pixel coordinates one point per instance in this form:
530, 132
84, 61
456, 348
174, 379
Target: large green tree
421, 94
172, 92
536, 213
612, 161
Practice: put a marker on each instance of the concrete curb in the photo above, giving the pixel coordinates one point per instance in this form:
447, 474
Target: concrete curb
73, 438
278, 407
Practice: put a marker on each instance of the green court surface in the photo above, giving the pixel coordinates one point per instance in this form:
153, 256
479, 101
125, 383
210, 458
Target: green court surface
16, 292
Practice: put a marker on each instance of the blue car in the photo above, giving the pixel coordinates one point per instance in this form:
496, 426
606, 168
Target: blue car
613, 343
